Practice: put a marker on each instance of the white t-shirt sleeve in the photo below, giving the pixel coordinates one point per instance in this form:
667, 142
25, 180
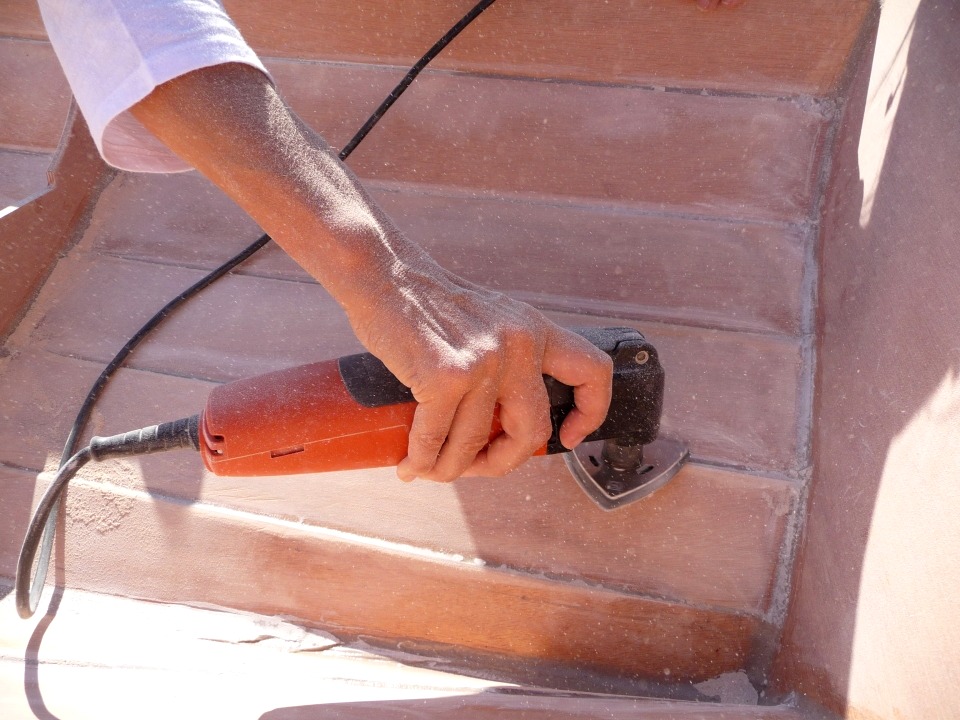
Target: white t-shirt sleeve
115, 52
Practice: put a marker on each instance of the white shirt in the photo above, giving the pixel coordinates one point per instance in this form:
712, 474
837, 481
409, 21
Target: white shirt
115, 52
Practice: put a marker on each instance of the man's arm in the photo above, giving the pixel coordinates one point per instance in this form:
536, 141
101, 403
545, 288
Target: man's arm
460, 348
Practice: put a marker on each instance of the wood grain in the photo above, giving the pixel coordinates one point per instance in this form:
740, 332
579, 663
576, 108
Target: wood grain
731, 157
353, 586
733, 396
710, 538
34, 96
756, 48
604, 261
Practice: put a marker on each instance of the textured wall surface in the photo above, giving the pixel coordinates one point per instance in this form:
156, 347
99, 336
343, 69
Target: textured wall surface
872, 630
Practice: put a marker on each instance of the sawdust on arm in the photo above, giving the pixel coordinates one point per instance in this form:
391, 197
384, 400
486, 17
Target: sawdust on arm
462, 349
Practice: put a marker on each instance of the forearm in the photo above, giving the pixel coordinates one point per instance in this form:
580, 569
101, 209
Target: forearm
229, 122
461, 349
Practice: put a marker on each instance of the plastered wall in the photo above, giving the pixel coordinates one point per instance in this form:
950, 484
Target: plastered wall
872, 629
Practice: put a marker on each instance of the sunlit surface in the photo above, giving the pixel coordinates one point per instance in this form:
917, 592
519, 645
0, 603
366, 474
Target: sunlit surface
887, 80
904, 649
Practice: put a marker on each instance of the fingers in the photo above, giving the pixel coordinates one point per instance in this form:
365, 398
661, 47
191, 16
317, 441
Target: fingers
468, 435
525, 422
431, 425
589, 371
450, 435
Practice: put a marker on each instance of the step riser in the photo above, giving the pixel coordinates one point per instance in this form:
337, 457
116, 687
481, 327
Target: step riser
733, 396
691, 542
127, 543
570, 257
622, 145
719, 156
757, 48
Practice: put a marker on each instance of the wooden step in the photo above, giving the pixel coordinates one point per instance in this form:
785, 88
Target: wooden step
732, 157
23, 175
616, 144
102, 656
691, 542
756, 48
573, 257
731, 395
611, 144
127, 542
34, 96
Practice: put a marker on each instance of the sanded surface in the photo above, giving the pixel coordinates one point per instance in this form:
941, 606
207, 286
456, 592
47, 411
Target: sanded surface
197, 553
533, 164
22, 175
104, 658
733, 157
732, 395
33, 235
34, 96
21, 18
873, 630
605, 261
710, 538
759, 47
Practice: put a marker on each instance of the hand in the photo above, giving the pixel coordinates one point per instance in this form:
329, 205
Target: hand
463, 350
711, 4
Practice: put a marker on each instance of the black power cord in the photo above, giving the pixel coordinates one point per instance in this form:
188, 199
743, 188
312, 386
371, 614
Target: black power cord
42, 529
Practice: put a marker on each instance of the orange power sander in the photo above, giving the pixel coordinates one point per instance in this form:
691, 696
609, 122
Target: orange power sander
352, 413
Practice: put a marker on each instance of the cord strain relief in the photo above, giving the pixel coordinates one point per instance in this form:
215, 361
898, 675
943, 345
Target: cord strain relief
182, 433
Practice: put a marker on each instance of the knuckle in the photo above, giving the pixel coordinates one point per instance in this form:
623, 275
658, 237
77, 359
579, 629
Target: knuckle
428, 442
448, 469
523, 339
441, 477
472, 443
602, 367
543, 433
456, 377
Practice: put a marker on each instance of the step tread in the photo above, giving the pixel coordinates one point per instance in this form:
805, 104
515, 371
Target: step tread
102, 656
756, 48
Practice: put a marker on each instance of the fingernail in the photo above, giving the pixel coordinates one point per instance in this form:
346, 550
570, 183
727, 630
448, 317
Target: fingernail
703, 4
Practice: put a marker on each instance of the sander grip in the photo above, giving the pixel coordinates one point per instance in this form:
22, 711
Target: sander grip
353, 413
